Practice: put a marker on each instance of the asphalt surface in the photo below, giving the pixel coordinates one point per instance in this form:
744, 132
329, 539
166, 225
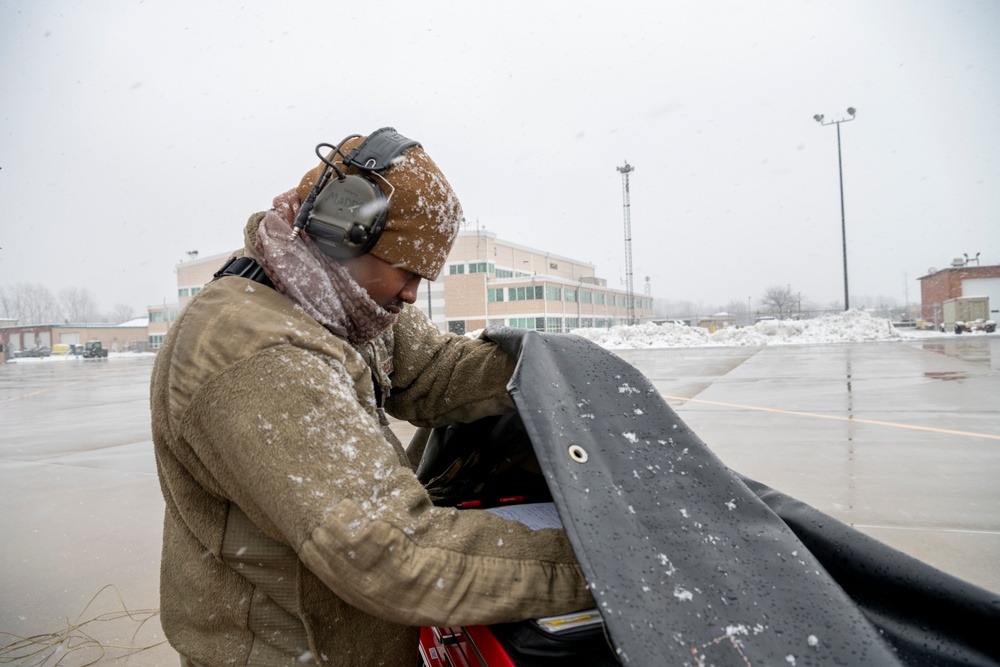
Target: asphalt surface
899, 439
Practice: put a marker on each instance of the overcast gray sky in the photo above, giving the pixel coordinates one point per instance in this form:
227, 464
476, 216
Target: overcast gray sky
134, 131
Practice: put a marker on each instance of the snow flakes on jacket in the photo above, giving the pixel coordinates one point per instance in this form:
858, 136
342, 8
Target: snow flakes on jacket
295, 532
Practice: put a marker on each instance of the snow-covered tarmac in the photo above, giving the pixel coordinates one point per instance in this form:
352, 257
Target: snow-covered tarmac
898, 434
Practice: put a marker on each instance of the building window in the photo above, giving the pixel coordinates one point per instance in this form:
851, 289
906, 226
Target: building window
572, 323
456, 269
524, 293
155, 341
553, 324
494, 294
599, 298
183, 291
527, 322
587, 322
569, 295
553, 293
619, 300
585, 296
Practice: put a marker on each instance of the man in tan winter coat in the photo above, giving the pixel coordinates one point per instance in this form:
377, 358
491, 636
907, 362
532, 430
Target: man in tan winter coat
295, 530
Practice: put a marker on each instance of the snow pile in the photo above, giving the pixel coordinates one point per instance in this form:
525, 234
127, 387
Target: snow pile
646, 335
854, 326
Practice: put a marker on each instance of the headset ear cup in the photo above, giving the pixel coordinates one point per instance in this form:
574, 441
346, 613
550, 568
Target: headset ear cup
348, 216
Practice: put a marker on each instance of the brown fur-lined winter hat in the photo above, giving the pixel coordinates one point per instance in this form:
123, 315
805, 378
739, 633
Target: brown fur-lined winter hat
424, 213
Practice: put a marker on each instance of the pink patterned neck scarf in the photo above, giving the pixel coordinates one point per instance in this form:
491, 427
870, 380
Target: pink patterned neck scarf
321, 286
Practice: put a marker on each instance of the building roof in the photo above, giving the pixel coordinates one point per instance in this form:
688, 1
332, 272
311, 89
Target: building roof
990, 269
138, 323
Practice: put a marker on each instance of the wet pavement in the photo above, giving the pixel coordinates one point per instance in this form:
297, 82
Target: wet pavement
900, 440
80, 510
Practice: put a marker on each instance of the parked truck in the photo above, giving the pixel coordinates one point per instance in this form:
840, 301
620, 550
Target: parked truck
967, 313
94, 350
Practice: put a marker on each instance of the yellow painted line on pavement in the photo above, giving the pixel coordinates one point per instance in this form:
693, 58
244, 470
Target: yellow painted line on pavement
39, 392
796, 413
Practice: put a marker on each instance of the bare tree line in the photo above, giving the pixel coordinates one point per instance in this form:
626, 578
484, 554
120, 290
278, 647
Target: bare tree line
779, 301
32, 303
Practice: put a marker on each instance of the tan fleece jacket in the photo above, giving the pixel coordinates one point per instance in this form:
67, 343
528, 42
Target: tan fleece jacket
295, 532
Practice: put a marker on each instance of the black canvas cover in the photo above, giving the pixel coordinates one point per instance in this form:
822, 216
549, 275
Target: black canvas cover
692, 564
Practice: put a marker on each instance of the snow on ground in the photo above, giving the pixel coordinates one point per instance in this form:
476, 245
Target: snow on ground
75, 358
853, 326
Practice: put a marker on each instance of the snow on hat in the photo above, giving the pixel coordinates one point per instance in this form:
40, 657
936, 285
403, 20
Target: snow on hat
424, 213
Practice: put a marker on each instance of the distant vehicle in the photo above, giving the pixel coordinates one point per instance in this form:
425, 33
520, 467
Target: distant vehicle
961, 313
94, 350
33, 352
979, 324
766, 318
905, 323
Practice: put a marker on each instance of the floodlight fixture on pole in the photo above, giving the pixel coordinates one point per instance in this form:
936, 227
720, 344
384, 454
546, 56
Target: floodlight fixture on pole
851, 111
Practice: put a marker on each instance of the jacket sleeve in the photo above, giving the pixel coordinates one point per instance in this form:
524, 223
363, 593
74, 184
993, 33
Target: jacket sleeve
440, 378
286, 439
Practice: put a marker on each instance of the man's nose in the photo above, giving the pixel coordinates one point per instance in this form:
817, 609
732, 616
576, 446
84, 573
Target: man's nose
409, 291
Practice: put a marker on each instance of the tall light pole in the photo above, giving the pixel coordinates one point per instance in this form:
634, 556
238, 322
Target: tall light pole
840, 167
629, 295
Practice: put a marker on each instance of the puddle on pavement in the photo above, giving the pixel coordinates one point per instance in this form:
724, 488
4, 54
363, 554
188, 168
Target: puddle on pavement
976, 350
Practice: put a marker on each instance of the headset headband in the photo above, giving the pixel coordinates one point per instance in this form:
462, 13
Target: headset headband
377, 152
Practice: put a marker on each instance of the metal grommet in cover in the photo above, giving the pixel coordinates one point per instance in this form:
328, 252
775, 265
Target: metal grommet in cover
578, 453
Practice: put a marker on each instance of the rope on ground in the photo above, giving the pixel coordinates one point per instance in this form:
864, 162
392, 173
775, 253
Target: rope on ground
78, 637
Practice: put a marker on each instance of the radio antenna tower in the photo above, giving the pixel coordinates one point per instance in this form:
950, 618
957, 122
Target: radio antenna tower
629, 293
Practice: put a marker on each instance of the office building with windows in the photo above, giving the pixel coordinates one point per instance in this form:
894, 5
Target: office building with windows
489, 281
485, 281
